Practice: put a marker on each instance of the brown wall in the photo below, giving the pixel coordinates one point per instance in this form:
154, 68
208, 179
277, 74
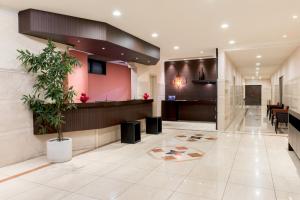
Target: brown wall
190, 70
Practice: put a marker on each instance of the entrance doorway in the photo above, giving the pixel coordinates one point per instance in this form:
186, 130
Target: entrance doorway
253, 95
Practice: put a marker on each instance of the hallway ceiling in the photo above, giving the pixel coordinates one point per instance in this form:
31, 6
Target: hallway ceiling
193, 26
272, 57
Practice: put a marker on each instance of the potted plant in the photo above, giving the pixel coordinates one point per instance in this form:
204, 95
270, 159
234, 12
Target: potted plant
50, 97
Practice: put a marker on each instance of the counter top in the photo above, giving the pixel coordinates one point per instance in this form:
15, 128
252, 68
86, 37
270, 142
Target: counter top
112, 103
200, 101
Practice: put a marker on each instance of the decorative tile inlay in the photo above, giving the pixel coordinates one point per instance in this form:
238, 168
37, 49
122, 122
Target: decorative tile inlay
176, 153
195, 137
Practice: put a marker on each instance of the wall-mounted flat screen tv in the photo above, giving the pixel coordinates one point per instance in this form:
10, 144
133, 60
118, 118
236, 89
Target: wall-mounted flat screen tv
97, 67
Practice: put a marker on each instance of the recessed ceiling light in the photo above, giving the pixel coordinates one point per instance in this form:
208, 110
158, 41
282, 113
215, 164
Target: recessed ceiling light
284, 36
295, 17
201, 52
136, 58
154, 35
258, 56
78, 41
231, 42
224, 26
258, 64
103, 48
176, 47
122, 54
116, 13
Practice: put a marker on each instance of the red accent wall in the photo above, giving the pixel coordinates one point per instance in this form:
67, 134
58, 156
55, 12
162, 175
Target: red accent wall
79, 78
114, 86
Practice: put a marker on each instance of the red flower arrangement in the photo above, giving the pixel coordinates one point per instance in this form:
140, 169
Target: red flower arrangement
146, 96
84, 98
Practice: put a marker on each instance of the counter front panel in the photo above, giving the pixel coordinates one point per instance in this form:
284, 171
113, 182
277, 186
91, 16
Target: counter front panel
99, 115
294, 132
198, 110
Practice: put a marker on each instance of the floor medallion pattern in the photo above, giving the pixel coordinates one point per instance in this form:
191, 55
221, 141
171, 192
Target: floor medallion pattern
195, 137
177, 153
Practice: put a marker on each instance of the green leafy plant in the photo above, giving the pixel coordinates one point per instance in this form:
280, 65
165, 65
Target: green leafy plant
50, 97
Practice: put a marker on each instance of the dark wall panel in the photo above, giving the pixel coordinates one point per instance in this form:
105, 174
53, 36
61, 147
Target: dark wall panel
191, 70
89, 36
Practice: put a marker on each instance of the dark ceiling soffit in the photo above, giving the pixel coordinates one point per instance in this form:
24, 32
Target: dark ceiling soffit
88, 35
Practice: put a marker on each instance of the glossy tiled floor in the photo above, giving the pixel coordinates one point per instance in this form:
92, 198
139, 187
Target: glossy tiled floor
235, 166
254, 120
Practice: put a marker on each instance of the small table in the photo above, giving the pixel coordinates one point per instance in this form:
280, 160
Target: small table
153, 125
131, 132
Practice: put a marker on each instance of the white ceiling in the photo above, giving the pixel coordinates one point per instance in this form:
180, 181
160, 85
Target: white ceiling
194, 25
272, 58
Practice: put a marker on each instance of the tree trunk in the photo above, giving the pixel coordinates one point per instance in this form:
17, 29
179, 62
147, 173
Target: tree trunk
60, 134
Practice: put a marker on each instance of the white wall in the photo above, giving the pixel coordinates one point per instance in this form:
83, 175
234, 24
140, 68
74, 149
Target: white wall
17, 141
265, 89
230, 91
143, 78
291, 82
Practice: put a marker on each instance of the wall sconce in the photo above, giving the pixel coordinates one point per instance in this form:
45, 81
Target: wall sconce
179, 81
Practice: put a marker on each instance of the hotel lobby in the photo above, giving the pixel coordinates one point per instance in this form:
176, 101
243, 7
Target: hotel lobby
154, 100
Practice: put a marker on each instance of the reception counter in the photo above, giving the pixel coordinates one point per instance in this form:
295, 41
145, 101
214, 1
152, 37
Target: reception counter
99, 115
294, 132
197, 110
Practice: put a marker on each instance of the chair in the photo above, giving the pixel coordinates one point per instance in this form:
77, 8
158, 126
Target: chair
281, 117
274, 111
274, 107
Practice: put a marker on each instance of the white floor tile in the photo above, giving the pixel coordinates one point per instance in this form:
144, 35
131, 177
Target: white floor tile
104, 188
162, 180
203, 188
182, 196
238, 192
72, 181
280, 195
130, 174
255, 179
210, 173
41, 193
14, 187
138, 192
177, 168
287, 184
77, 197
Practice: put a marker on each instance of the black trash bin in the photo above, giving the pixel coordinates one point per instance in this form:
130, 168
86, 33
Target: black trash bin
153, 125
131, 132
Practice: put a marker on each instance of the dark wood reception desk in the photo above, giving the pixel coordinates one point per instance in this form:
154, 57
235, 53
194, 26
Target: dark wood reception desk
197, 110
99, 115
294, 132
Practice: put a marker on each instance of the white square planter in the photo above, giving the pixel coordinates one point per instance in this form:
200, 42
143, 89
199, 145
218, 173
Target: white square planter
59, 151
